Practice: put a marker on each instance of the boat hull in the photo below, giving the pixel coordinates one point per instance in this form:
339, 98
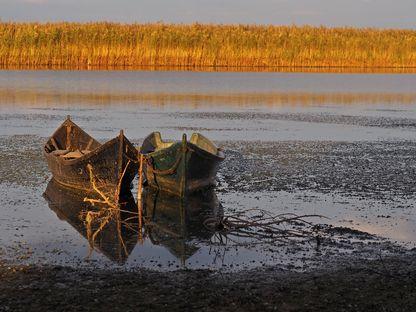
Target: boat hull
181, 169
114, 164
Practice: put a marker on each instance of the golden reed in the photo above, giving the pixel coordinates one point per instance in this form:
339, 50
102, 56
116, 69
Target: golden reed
102, 45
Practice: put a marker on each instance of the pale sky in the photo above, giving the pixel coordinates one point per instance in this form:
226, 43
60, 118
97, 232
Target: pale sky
360, 13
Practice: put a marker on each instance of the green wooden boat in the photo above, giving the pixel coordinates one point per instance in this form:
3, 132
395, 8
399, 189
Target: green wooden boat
180, 167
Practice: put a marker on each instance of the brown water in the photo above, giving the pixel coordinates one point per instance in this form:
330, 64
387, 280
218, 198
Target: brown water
339, 145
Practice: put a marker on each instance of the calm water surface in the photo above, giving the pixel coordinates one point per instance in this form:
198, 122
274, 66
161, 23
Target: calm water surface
243, 109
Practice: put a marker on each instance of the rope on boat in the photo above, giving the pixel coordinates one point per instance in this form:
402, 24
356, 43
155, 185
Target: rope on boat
131, 159
171, 169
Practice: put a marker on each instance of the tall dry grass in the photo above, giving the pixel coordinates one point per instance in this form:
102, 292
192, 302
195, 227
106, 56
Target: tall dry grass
77, 45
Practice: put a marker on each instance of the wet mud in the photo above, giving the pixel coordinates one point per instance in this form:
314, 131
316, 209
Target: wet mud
381, 285
368, 169
372, 182
322, 117
354, 166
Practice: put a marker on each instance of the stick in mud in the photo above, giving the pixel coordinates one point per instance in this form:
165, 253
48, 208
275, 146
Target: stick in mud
139, 194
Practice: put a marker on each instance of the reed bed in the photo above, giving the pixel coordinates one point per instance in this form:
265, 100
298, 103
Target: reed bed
104, 45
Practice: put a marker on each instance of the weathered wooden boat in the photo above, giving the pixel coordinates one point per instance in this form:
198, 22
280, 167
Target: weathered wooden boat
115, 241
180, 167
74, 157
177, 224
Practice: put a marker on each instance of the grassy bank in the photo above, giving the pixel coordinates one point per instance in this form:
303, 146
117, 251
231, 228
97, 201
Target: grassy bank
76, 45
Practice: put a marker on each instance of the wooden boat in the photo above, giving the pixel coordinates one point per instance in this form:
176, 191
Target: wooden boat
73, 157
178, 224
115, 241
180, 167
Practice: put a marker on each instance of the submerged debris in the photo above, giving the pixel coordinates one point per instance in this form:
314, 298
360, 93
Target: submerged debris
109, 208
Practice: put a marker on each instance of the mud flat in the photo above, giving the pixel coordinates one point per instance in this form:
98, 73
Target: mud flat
355, 165
366, 202
388, 285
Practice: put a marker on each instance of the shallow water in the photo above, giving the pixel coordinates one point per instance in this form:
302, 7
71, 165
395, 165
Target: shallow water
338, 145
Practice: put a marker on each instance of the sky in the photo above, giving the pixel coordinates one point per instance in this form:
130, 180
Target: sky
357, 13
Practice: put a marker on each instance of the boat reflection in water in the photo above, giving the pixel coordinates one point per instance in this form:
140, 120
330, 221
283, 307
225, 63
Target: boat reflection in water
179, 224
175, 224
116, 240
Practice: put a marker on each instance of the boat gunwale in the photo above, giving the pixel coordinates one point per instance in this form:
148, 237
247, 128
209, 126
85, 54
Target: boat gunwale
84, 157
195, 148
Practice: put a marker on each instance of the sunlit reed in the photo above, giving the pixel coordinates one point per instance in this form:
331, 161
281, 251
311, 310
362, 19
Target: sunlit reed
77, 45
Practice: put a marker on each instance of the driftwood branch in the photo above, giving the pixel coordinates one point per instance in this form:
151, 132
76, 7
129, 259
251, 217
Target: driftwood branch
108, 209
254, 226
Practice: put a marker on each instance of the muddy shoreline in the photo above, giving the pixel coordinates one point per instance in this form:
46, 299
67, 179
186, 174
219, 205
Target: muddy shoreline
371, 195
387, 282
382, 285
349, 158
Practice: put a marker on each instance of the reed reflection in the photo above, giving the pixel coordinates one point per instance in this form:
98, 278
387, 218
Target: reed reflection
40, 98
